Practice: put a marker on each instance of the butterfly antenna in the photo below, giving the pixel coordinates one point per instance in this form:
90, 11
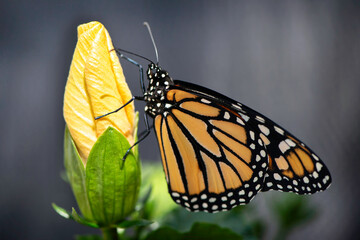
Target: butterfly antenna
152, 39
120, 51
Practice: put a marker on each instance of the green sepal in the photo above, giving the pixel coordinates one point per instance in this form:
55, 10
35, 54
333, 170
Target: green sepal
61, 211
75, 171
73, 215
82, 220
135, 149
112, 184
198, 231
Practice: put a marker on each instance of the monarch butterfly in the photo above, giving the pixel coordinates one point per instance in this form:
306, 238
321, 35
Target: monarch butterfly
218, 153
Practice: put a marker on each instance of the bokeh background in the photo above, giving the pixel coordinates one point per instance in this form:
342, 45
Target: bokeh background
297, 62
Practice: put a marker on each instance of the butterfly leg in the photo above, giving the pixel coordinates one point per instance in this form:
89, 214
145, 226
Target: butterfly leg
141, 71
128, 102
147, 132
141, 75
142, 133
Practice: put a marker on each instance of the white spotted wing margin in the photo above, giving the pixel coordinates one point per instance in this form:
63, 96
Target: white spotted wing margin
199, 155
292, 166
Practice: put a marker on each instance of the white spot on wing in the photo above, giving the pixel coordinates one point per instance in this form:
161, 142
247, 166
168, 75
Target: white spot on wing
306, 180
205, 101
318, 166
252, 135
260, 119
277, 176
290, 142
245, 117
262, 153
279, 130
227, 115
175, 194
240, 121
264, 129
315, 157
283, 146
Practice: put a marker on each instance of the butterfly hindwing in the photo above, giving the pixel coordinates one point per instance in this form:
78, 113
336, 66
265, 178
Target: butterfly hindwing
293, 167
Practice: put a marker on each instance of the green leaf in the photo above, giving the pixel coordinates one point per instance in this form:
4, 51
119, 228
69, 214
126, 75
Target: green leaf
76, 174
133, 223
242, 220
159, 203
112, 184
61, 211
291, 211
208, 231
199, 231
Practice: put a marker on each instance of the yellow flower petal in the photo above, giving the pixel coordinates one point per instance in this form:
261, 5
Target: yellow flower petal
96, 85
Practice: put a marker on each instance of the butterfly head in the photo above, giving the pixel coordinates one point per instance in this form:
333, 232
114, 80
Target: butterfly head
158, 79
155, 73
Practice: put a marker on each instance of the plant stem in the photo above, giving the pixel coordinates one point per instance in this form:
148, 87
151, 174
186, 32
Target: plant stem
109, 233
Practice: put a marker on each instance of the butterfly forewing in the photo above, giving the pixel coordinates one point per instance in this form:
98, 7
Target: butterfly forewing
212, 160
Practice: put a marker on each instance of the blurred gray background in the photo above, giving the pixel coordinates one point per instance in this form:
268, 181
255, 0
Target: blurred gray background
297, 62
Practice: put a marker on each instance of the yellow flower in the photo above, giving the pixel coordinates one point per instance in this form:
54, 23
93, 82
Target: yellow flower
95, 86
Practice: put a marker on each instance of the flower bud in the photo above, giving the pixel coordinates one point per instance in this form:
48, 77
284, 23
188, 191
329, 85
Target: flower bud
96, 86
105, 186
